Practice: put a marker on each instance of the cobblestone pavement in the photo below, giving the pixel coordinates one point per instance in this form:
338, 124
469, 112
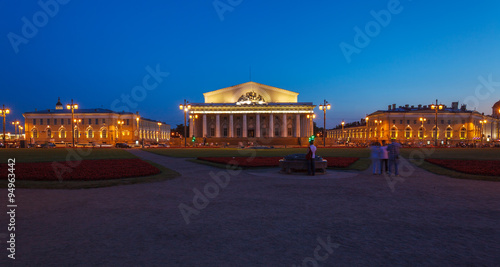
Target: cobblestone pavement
261, 218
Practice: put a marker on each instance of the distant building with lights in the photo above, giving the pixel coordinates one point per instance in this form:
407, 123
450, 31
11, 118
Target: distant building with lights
92, 126
417, 124
252, 111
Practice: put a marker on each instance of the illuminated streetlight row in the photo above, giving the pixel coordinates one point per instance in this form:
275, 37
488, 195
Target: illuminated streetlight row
4, 111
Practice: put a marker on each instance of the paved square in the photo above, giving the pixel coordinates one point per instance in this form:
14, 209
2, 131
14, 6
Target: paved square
261, 218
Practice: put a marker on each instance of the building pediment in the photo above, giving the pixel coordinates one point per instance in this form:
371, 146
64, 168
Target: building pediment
251, 93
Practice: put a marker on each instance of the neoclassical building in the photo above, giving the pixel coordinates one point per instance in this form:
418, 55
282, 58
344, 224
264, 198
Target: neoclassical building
417, 125
98, 126
251, 110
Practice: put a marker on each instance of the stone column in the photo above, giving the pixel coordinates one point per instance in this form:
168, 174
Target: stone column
204, 125
271, 125
231, 130
297, 126
257, 125
245, 131
217, 125
284, 130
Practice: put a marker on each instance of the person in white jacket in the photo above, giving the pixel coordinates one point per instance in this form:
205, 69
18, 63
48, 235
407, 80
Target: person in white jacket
375, 156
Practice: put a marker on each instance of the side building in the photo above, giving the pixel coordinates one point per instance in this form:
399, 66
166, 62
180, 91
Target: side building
417, 125
92, 126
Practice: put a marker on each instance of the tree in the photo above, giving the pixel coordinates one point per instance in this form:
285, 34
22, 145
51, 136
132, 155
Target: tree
179, 130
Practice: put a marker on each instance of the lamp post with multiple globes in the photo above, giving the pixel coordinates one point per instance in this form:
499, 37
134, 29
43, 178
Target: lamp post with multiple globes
15, 123
120, 125
186, 107
482, 130
4, 111
423, 129
436, 107
324, 107
72, 106
311, 117
343, 123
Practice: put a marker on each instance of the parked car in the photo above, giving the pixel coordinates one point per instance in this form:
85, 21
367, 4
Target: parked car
47, 145
122, 145
163, 145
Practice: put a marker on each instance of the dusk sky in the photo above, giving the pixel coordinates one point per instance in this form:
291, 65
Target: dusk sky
96, 51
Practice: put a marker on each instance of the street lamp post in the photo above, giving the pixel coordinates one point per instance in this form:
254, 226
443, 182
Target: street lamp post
436, 108
159, 130
311, 117
423, 129
193, 118
378, 122
120, 123
186, 107
482, 130
366, 133
72, 106
20, 131
324, 107
76, 121
4, 111
15, 123
141, 135
343, 122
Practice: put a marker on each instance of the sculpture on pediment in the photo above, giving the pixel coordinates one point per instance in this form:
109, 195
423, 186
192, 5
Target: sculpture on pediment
251, 98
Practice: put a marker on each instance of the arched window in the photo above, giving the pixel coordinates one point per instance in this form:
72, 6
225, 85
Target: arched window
394, 133
49, 133
34, 133
90, 133
104, 133
76, 133
62, 133
371, 133
463, 133
449, 132
408, 132
382, 133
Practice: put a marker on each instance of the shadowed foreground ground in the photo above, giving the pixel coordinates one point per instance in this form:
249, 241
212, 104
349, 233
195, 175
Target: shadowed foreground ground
262, 218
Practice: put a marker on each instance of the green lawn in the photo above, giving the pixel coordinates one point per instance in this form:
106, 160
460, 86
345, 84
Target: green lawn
277, 152
61, 154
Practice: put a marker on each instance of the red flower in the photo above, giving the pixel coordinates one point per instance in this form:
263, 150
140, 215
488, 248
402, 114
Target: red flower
81, 170
479, 167
338, 162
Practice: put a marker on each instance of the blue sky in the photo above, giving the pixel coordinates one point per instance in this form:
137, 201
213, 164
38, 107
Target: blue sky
95, 52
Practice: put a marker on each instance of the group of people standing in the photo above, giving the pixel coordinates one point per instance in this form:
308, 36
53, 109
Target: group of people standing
385, 158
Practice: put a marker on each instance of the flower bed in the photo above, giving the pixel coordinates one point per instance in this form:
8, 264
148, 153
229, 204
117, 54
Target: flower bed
337, 162
478, 167
81, 170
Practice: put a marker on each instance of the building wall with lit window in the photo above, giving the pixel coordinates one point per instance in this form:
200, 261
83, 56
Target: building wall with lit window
98, 126
417, 124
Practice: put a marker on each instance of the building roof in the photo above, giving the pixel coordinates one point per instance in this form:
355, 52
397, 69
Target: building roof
250, 105
77, 111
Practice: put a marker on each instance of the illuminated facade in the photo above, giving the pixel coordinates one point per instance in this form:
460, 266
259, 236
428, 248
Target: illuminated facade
97, 126
251, 110
417, 124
